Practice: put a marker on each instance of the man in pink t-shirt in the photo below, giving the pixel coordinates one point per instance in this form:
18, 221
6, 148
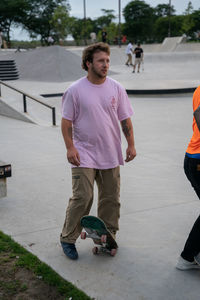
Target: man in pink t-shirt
92, 109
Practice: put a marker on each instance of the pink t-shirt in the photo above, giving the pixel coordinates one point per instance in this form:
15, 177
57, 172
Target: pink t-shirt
95, 111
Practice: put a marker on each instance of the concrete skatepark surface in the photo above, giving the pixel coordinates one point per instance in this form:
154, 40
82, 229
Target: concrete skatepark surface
158, 205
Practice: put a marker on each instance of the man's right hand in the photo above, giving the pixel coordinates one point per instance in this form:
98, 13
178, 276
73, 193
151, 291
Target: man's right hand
73, 156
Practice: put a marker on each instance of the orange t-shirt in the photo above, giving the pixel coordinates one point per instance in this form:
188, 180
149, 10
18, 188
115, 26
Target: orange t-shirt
194, 144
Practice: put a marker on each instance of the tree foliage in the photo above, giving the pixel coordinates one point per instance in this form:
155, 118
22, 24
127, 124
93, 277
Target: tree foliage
106, 19
194, 24
60, 23
162, 25
189, 9
80, 29
139, 20
12, 12
163, 10
41, 19
143, 23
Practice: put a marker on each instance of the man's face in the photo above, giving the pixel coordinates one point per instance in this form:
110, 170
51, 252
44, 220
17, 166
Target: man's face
100, 65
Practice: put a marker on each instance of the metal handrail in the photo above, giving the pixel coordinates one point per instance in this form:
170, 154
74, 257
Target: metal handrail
33, 98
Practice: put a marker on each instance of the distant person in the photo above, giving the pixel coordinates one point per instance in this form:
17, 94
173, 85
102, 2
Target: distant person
61, 42
190, 256
124, 39
116, 40
139, 56
93, 37
92, 109
5, 46
18, 49
129, 52
50, 41
104, 35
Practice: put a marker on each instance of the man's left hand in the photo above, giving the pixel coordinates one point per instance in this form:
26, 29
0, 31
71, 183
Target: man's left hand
130, 154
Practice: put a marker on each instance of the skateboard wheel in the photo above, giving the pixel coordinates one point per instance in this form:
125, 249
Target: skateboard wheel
95, 250
113, 252
83, 235
103, 239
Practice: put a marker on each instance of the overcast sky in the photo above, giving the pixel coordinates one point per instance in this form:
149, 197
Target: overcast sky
93, 9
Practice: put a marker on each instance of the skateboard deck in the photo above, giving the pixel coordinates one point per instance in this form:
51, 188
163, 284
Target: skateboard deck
96, 229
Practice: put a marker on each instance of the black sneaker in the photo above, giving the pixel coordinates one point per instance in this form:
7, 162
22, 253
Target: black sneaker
70, 250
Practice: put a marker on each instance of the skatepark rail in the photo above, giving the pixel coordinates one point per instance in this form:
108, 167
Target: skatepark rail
33, 98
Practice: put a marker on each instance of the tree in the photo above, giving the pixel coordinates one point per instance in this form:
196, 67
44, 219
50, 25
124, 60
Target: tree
60, 23
80, 29
139, 18
105, 20
193, 29
161, 27
196, 20
112, 33
12, 12
189, 9
39, 21
188, 22
162, 10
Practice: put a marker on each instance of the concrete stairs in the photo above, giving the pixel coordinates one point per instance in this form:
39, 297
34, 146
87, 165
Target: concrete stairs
8, 70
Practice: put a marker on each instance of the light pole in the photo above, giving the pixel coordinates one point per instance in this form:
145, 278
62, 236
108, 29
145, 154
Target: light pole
84, 9
119, 26
169, 28
84, 14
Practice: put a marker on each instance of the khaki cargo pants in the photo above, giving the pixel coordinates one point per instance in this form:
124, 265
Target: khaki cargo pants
108, 183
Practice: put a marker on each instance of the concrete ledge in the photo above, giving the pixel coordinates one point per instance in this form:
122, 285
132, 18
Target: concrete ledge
51, 95
142, 92
161, 91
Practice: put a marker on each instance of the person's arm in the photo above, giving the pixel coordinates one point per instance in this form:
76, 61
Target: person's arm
72, 153
127, 129
142, 55
197, 117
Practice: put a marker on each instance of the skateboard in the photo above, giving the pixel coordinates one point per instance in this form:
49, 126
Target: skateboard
96, 229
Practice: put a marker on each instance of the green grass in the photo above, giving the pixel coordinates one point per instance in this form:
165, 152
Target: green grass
12, 287
31, 262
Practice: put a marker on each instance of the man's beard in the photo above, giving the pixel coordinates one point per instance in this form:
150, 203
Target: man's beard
98, 73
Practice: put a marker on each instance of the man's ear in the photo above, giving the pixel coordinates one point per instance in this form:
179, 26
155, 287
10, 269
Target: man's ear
88, 63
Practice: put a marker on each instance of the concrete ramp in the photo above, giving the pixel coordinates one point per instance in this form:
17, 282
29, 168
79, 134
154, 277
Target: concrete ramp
188, 47
50, 64
170, 43
9, 111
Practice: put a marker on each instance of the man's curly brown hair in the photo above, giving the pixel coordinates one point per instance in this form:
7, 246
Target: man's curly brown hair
90, 50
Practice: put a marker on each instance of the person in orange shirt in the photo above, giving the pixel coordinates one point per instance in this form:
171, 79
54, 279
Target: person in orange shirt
190, 256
